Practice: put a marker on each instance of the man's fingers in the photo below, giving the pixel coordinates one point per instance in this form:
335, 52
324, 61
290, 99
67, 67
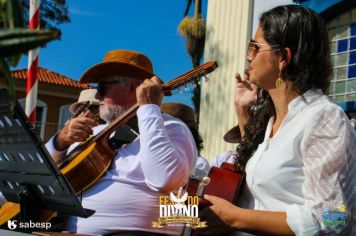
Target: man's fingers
85, 121
87, 114
82, 127
75, 138
156, 80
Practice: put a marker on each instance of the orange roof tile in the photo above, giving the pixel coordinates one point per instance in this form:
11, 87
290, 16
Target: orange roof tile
50, 77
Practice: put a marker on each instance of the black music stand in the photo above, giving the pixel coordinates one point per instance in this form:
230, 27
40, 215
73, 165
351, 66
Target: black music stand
28, 175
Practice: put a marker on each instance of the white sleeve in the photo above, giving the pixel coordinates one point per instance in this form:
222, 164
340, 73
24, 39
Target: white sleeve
223, 157
56, 155
167, 149
202, 167
329, 156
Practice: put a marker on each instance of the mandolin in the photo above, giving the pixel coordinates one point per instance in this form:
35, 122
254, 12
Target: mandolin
88, 162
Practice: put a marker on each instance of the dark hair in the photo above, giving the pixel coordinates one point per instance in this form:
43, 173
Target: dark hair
304, 32
255, 129
197, 138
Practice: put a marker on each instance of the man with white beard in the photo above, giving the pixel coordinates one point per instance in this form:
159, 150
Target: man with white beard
158, 161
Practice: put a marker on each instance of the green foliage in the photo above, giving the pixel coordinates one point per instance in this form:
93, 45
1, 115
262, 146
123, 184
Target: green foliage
11, 14
192, 26
193, 29
53, 13
15, 39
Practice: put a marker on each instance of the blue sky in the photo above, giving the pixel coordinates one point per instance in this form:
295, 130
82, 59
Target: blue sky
97, 27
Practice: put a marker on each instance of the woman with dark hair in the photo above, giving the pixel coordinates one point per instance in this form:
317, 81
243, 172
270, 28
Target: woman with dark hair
298, 148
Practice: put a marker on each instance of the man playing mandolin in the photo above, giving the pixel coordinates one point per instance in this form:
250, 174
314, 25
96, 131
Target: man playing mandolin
158, 161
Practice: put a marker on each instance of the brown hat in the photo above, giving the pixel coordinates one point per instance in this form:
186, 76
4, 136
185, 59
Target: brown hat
180, 111
120, 62
87, 95
233, 135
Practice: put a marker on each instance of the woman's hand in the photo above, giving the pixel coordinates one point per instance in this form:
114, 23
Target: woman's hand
245, 96
223, 209
219, 216
223, 216
245, 92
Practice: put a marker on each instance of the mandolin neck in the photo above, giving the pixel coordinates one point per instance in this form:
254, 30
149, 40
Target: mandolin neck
190, 76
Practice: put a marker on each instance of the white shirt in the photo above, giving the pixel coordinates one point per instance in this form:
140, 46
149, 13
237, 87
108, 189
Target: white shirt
307, 169
127, 196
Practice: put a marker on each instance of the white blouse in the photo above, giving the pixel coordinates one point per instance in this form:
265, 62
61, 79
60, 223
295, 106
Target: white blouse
307, 169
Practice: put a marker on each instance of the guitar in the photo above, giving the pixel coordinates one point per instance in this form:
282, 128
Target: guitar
225, 182
88, 162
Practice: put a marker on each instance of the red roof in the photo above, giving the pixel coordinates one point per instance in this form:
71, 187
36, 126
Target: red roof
50, 77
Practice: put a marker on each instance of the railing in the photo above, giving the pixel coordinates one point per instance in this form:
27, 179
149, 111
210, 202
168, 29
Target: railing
46, 130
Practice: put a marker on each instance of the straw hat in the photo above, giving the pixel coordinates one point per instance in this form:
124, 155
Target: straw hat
180, 111
85, 96
120, 62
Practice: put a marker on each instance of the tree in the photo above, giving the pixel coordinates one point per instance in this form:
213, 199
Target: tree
193, 28
15, 39
53, 13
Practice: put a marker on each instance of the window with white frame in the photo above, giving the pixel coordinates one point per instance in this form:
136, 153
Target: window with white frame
64, 115
41, 116
342, 33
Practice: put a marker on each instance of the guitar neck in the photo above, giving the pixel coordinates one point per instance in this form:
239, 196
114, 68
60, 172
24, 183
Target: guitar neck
119, 121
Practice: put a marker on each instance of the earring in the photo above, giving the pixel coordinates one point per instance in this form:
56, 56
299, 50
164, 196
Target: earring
279, 81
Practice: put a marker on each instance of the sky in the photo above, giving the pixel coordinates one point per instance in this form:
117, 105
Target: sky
97, 27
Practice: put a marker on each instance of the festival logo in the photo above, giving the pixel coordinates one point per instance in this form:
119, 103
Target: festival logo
335, 219
178, 210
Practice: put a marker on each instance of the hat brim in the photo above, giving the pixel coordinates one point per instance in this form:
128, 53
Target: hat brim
95, 73
233, 135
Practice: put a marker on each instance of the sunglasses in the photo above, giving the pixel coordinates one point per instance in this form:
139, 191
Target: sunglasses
103, 86
254, 48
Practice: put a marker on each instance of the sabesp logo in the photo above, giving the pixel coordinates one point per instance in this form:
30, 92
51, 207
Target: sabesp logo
11, 224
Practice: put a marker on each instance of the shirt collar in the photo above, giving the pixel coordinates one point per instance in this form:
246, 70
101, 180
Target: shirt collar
306, 98
296, 105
